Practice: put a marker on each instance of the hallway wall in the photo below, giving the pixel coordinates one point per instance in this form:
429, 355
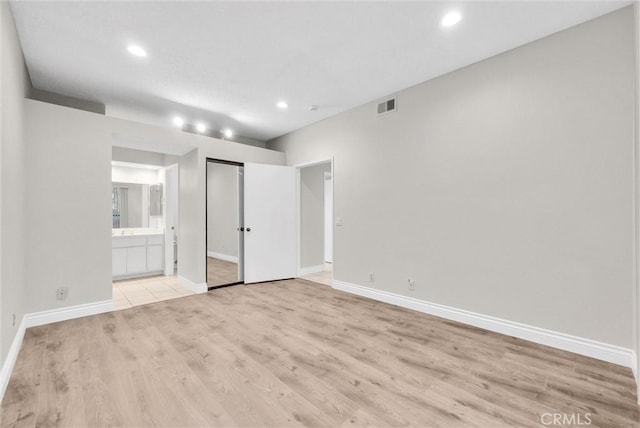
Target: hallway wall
15, 88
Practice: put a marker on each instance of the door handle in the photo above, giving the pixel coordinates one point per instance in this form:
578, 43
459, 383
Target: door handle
241, 229
248, 229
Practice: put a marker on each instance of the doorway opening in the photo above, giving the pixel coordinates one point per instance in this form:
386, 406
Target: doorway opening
315, 183
224, 223
144, 234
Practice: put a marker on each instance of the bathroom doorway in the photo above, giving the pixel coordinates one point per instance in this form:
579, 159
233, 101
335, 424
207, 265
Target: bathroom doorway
144, 209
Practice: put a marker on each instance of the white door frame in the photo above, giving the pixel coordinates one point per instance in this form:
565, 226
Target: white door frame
169, 206
298, 167
327, 199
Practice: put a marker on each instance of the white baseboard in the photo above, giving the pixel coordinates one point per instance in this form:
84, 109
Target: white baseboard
579, 345
10, 360
192, 286
634, 369
311, 269
67, 313
41, 318
225, 257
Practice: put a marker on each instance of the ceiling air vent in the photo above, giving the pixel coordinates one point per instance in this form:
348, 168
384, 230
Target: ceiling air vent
387, 106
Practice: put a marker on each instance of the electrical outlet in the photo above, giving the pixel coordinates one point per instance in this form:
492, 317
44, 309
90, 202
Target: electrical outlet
61, 293
372, 277
412, 285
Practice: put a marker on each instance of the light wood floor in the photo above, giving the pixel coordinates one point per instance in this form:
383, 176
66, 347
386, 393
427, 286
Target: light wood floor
221, 272
293, 353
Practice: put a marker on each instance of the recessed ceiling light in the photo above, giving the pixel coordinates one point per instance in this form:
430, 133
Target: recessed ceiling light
136, 50
200, 127
178, 121
282, 104
228, 133
451, 18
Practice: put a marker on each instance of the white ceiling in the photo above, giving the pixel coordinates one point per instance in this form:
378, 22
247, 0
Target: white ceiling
228, 63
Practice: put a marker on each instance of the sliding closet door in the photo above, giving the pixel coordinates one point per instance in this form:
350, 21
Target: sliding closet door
270, 238
224, 222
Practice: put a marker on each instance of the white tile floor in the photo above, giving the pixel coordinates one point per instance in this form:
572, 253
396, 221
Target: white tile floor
325, 277
140, 291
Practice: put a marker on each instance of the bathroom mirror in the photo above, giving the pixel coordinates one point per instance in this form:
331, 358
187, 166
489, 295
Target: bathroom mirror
130, 205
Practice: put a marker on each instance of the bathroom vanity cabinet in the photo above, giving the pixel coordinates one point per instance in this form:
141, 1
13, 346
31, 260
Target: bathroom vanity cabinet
137, 255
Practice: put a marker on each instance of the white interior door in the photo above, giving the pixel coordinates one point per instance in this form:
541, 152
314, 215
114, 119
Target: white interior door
270, 239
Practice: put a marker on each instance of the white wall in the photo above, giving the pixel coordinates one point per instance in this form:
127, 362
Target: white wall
154, 119
125, 174
72, 149
636, 7
124, 154
504, 188
192, 246
15, 87
312, 214
222, 209
190, 229
69, 206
